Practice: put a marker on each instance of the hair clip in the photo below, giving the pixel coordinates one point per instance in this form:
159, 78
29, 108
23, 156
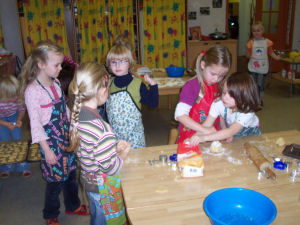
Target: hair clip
203, 52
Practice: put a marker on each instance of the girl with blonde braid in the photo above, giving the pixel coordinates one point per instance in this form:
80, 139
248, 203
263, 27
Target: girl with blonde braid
101, 157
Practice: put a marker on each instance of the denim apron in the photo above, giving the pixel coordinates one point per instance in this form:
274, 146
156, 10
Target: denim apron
199, 111
125, 118
245, 131
57, 130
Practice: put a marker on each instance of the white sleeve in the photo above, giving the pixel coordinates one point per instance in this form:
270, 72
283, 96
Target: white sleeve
182, 109
247, 119
216, 108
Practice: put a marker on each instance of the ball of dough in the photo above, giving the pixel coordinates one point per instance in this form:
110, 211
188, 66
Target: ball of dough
280, 142
216, 147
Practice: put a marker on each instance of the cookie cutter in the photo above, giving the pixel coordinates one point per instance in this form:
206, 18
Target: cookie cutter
279, 165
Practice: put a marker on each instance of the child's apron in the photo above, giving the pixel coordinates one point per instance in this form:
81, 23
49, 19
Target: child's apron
199, 111
245, 131
57, 130
125, 118
112, 199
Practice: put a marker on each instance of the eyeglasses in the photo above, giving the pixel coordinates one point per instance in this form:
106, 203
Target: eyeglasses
120, 62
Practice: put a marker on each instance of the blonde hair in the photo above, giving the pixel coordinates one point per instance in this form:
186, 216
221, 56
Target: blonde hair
218, 55
122, 39
9, 87
39, 53
259, 24
88, 79
119, 51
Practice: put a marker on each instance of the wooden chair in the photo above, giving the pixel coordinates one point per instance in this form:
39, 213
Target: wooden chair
173, 134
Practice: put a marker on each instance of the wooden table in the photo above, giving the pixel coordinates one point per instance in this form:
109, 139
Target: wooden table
158, 195
293, 66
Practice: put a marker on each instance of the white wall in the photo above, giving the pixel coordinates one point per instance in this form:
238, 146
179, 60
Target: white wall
296, 34
244, 25
11, 27
208, 23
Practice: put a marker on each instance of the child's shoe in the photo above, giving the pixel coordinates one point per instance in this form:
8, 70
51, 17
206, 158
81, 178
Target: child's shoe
4, 175
52, 221
26, 173
82, 211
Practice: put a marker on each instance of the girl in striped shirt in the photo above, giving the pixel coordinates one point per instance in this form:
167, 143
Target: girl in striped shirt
11, 116
101, 157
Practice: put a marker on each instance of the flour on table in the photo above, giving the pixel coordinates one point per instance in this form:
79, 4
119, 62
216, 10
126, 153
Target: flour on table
280, 142
161, 189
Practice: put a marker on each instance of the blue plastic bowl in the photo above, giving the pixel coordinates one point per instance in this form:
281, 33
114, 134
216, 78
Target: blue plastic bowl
175, 71
239, 206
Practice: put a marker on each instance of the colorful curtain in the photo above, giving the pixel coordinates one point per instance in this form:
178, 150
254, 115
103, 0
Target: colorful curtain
45, 20
120, 19
164, 33
92, 30
1, 36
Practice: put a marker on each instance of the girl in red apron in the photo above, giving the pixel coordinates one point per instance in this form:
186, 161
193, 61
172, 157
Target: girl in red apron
47, 111
198, 93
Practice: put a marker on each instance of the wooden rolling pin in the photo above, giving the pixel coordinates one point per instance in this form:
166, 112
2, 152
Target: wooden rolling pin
259, 160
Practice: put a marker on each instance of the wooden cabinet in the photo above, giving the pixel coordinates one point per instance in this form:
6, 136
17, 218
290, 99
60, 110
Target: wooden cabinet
194, 48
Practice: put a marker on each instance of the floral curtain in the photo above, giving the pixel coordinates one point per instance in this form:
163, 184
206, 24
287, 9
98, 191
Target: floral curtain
45, 20
1, 36
120, 19
92, 30
164, 33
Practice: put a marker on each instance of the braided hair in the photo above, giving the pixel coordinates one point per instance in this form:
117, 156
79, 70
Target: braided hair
88, 79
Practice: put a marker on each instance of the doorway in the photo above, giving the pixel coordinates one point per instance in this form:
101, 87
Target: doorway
278, 30
233, 19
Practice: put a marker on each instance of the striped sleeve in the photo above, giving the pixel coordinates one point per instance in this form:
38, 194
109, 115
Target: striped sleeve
98, 148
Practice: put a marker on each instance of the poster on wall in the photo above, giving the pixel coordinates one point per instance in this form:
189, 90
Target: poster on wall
205, 11
217, 3
195, 33
192, 15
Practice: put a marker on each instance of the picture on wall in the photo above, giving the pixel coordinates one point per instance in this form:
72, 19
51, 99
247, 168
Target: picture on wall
192, 15
205, 11
195, 33
217, 3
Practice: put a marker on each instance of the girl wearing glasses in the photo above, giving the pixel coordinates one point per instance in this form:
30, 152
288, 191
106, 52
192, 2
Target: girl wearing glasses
128, 93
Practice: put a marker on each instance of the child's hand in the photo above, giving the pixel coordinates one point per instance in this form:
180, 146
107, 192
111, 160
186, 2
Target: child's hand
50, 157
229, 140
11, 125
123, 148
19, 123
149, 80
196, 139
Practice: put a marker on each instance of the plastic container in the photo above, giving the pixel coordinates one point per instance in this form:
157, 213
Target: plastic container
175, 71
239, 206
283, 73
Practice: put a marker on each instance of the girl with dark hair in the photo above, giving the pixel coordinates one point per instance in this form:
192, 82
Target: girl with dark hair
237, 106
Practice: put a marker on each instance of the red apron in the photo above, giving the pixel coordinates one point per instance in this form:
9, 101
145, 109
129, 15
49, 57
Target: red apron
200, 110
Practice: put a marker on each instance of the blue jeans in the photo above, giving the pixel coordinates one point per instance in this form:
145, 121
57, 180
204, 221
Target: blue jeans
97, 213
15, 135
260, 82
70, 191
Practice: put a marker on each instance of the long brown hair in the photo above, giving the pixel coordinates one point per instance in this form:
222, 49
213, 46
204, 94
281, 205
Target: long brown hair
30, 68
217, 55
243, 89
88, 79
